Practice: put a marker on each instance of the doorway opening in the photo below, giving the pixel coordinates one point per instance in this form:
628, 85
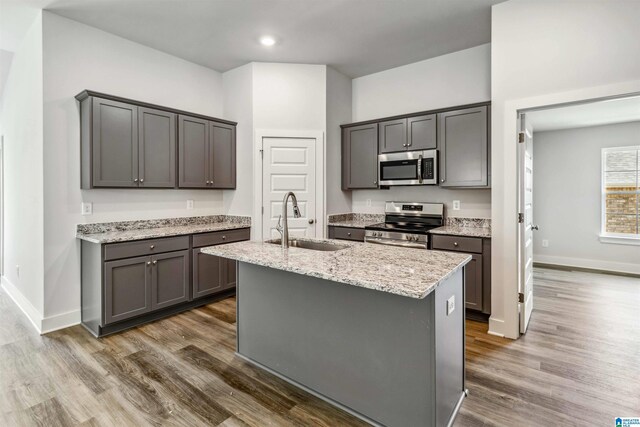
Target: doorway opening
578, 192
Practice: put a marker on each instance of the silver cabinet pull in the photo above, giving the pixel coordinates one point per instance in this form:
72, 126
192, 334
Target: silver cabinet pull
375, 182
148, 262
455, 243
152, 246
155, 262
311, 221
135, 180
141, 179
348, 234
224, 237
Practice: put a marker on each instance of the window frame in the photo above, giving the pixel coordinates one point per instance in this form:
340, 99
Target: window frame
618, 238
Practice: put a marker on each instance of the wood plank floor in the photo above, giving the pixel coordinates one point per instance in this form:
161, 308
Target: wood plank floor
579, 364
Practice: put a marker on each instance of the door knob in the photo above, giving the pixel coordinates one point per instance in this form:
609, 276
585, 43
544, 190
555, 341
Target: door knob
311, 221
534, 227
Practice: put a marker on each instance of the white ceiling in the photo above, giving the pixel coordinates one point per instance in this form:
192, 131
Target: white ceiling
582, 115
356, 37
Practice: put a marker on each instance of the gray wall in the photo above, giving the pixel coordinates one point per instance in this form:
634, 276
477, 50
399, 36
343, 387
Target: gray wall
567, 197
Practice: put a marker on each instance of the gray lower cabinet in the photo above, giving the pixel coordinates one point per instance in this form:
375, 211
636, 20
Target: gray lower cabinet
360, 157
126, 284
463, 143
477, 273
126, 146
207, 153
127, 288
346, 233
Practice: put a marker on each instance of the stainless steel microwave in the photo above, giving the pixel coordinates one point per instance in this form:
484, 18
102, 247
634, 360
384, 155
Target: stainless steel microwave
408, 168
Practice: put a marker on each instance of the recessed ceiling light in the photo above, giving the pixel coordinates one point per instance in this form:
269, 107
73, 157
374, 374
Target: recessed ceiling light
267, 41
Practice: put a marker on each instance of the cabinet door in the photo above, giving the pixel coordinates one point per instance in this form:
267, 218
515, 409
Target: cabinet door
464, 150
207, 274
127, 288
229, 273
115, 144
421, 132
473, 283
157, 148
393, 135
193, 155
169, 279
223, 155
360, 157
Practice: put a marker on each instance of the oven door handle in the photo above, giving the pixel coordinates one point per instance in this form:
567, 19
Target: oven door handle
420, 168
392, 243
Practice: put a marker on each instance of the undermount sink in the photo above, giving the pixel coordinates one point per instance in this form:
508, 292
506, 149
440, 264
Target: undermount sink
309, 244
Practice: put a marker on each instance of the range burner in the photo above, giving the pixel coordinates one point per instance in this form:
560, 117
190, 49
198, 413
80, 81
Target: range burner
406, 224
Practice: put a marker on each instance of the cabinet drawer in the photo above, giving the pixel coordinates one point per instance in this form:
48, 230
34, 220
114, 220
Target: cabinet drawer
219, 237
145, 247
456, 243
345, 233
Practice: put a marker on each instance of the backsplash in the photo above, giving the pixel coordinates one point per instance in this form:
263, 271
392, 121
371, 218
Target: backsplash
468, 222
365, 217
159, 223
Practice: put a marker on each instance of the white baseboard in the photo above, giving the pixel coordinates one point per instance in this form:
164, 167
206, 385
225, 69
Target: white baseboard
620, 267
34, 316
60, 321
496, 327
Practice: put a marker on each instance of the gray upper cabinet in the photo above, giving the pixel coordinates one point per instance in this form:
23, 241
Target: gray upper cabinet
421, 132
193, 143
132, 144
113, 144
360, 157
207, 153
157, 148
223, 155
464, 148
393, 135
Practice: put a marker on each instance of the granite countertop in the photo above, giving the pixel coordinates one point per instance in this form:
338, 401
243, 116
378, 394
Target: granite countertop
408, 272
452, 230
126, 231
354, 220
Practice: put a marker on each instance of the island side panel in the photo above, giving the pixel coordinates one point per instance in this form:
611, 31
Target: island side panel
370, 351
449, 347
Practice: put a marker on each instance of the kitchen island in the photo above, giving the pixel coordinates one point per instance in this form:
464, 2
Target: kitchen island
375, 330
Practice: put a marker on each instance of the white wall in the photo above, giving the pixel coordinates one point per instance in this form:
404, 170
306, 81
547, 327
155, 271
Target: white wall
567, 197
238, 106
458, 78
546, 52
23, 202
338, 112
78, 57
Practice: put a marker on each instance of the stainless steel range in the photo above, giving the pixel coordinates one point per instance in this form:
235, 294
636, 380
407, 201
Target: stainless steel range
406, 224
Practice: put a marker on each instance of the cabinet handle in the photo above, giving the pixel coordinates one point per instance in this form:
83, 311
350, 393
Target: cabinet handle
455, 243
135, 180
152, 246
224, 237
375, 182
155, 262
141, 179
148, 262
348, 234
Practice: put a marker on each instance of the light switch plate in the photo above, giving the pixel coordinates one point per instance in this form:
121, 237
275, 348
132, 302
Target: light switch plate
189, 204
368, 202
87, 208
451, 304
456, 205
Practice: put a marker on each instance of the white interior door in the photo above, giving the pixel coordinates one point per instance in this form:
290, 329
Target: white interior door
525, 153
289, 164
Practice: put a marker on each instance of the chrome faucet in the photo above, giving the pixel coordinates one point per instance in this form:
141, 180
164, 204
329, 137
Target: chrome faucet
284, 228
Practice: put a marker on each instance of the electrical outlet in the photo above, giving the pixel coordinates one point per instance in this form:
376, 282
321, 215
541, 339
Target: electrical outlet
545, 243
189, 204
87, 208
368, 202
451, 304
18, 271
456, 205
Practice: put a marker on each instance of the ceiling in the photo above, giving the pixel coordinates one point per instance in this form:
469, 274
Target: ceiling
597, 113
356, 37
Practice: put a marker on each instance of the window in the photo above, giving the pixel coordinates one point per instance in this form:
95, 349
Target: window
621, 192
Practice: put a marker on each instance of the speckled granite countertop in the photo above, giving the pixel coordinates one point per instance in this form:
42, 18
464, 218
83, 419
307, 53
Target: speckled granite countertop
484, 232
354, 220
413, 273
125, 231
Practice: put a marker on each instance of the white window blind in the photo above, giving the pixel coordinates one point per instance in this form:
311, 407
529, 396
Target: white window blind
621, 191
